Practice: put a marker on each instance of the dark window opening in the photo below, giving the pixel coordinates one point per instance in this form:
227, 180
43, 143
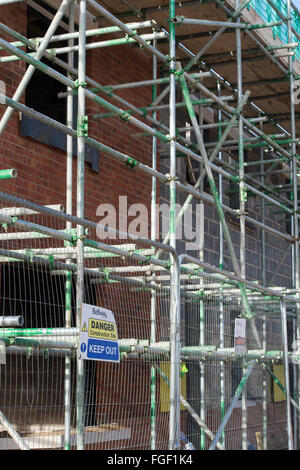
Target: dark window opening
40, 299
42, 95
35, 295
42, 90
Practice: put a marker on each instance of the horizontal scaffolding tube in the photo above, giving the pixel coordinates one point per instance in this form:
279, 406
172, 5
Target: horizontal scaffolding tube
134, 121
128, 160
8, 174
90, 32
250, 284
112, 19
121, 112
178, 20
53, 337
90, 46
11, 321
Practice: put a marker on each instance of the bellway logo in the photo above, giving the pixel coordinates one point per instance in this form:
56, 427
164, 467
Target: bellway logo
98, 311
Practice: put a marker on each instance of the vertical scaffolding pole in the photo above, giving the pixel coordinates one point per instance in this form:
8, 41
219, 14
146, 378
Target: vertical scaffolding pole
242, 201
69, 193
286, 372
264, 321
221, 264
81, 133
174, 425
153, 237
202, 373
294, 366
202, 311
295, 225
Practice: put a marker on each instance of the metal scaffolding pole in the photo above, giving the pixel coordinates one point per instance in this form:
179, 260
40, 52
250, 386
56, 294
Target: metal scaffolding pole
214, 191
153, 237
286, 373
134, 121
264, 327
229, 411
82, 134
174, 429
22, 445
242, 203
293, 166
215, 37
69, 209
221, 265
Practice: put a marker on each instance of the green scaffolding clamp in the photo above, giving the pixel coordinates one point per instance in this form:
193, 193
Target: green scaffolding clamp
82, 126
75, 237
146, 261
78, 85
131, 162
125, 116
51, 262
9, 224
178, 20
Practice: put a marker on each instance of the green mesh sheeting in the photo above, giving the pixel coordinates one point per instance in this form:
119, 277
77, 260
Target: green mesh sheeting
268, 13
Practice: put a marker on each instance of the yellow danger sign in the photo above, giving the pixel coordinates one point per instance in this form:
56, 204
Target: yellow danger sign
102, 329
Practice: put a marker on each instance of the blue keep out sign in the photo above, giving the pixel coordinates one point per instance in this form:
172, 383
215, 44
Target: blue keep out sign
98, 338
102, 350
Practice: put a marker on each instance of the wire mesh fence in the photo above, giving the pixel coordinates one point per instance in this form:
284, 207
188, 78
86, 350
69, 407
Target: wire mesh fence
249, 414
126, 404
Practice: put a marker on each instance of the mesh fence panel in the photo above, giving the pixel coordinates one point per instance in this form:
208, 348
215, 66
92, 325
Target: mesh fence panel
119, 398
216, 369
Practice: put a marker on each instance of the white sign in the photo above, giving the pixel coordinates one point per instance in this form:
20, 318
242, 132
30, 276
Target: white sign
98, 339
240, 336
2, 353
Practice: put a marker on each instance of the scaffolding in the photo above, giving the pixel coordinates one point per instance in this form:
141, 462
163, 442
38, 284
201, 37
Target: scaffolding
181, 380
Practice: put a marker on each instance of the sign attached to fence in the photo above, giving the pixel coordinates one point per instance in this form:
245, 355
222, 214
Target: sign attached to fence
2, 353
240, 346
98, 339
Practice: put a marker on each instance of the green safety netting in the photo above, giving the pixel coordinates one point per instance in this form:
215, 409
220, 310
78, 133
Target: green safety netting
269, 14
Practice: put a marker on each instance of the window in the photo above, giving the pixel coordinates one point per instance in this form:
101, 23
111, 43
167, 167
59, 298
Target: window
42, 94
39, 298
42, 90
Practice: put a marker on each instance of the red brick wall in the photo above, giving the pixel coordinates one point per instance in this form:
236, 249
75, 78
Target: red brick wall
42, 169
